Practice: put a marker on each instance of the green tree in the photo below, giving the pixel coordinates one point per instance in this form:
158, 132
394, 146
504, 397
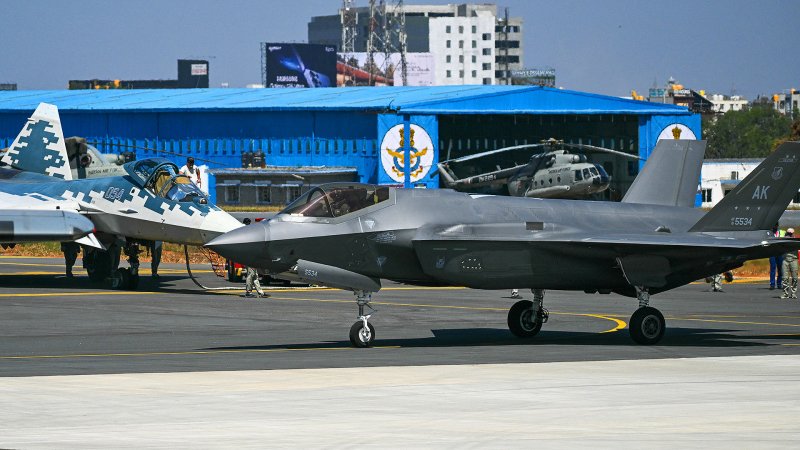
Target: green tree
750, 133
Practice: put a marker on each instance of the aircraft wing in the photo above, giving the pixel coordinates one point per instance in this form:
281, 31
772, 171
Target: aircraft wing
32, 225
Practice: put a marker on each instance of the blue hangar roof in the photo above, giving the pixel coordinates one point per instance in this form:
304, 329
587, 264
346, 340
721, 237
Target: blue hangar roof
468, 99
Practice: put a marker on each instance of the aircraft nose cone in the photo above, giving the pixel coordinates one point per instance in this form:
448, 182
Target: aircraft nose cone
246, 245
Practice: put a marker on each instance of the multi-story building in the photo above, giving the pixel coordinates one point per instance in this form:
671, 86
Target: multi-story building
470, 44
722, 103
787, 102
675, 93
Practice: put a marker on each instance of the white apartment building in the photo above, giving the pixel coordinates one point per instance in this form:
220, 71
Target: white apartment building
470, 44
723, 103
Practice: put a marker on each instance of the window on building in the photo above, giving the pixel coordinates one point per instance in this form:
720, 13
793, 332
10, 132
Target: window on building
506, 44
474, 29
461, 58
486, 36
448, 74
460, 29
460, 44
292, 193
707, 197
734, 175
447, 29
232, 193
487, 51
487, 81
447, 44
486, 66
264, 195
447, 58
474, 44
474, 73
474, 59
460, 74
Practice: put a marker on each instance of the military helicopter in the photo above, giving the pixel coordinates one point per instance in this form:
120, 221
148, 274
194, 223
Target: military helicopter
553, 173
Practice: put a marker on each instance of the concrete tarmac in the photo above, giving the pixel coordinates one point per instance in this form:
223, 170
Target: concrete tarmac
171, 365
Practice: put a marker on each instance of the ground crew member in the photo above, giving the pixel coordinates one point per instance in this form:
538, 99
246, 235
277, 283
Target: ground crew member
70, 250
790, 271
192, 171
155, 252
776, 263
252, 281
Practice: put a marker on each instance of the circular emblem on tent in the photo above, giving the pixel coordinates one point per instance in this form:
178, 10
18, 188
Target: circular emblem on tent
393, 159
677, 131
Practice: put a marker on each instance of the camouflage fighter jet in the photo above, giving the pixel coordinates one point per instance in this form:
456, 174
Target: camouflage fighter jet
150, 202
351, 236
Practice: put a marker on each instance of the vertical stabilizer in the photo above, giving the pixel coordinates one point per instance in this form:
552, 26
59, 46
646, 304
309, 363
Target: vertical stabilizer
671, 174
39, 147
759, 200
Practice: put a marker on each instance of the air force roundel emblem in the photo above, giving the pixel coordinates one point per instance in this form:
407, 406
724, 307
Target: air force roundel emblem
393, 157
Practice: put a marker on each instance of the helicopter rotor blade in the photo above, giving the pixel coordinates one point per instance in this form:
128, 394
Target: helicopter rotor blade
492, 152
602, 149
168, 152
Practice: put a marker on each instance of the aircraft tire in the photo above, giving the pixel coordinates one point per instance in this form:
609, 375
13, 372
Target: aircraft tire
98, 265
647, 326
360, 339
119, 279
520, 319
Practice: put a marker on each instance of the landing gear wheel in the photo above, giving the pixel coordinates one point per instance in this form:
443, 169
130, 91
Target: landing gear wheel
119, 279
98, 265
647, 326
361, 337
521, 321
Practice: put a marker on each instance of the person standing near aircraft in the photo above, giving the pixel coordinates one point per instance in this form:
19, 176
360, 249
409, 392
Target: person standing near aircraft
155, 254
71, 250
790, 270
192, 171
776, 263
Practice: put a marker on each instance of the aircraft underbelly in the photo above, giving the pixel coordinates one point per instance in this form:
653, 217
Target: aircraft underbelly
148, 230
503, 265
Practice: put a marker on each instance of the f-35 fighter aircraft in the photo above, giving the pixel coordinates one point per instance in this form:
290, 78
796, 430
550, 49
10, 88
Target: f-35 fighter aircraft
150, 202
352, 235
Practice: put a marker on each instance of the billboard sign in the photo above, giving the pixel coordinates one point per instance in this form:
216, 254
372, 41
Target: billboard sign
353, 70
534, 77
300, 65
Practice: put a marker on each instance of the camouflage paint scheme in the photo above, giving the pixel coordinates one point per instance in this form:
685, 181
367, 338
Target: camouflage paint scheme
126, 206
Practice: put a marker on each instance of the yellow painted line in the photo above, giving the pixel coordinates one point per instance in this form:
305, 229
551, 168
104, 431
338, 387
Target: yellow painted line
189, 352
80, 294
620, 324
30, 264
791, 345
738, 322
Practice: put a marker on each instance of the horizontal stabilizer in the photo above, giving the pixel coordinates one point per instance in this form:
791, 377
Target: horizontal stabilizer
759, 200
40, 147
671, 174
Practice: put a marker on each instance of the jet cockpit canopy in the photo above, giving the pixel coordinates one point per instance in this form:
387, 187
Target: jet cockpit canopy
160, 176
337, 199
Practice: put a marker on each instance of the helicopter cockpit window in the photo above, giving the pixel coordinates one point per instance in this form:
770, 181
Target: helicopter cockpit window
586, 173
337, 200
593, 170
578, 176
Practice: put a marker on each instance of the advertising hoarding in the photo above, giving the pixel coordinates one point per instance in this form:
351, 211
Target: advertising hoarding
353, 70
300, 65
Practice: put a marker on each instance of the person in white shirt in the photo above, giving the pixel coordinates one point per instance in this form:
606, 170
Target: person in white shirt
192, 171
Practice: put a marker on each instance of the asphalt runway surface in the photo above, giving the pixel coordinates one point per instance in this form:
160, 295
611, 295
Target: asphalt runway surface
51, 325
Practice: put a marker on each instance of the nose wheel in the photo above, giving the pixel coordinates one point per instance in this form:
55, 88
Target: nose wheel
525, 318
362, 333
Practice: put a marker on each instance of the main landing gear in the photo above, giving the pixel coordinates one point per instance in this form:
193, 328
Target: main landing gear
647, 324
526, 317
362, 333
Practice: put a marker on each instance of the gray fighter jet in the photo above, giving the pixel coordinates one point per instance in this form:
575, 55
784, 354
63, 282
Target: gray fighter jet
351, 236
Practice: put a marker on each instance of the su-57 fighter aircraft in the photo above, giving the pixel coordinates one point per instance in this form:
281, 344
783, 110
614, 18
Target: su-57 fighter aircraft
352, 235
150, 202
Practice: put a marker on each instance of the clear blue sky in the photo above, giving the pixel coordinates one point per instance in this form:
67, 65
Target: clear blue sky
607, 47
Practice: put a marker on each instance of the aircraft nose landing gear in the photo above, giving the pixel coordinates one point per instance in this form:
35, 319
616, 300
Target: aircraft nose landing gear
362, 333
